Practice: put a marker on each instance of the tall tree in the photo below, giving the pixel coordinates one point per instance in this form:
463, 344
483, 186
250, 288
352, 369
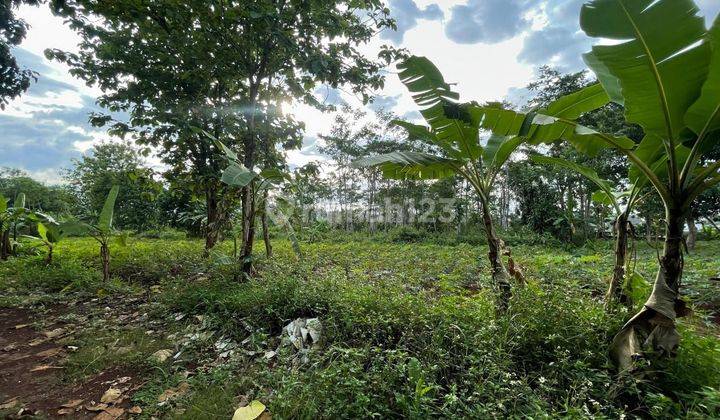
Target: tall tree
116, 164
13, 79
214, 65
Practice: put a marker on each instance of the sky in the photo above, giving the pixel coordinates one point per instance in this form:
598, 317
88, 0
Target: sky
489, 48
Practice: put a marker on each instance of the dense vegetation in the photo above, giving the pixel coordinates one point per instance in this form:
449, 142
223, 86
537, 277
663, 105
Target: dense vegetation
409, 329
595, 204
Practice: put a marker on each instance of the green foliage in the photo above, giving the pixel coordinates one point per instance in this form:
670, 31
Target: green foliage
409, 330
13, 79
121, 164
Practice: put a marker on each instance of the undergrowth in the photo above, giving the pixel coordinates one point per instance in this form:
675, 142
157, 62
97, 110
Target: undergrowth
409, 329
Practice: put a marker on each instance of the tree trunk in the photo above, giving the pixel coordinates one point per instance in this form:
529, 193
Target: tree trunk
692, 233
5, 245
653, 328
616, 292
500, 275
266, 230
248, 209
48, 259
105, 256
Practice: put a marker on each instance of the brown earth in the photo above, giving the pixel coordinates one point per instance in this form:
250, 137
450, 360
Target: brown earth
31, 372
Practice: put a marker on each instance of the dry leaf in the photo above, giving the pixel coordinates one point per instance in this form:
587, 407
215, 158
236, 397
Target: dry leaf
49, 352
250, 411
63, 411
96, 407
12, 402
110, 413
135, 410
40, 368
10, 347
161, 355
37, 342
54, 333
171, 393
20, 326
111, 396
72, 403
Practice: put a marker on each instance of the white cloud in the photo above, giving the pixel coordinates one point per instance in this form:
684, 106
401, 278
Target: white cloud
489, 48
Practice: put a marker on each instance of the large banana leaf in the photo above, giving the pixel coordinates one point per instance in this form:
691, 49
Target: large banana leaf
108, 210
659, 66
498, 150
237, 175
74, 228
438, 105
572, 106
411, 165
423, 133
703, 117
539, 128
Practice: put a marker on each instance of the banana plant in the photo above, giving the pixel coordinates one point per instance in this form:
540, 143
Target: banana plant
49, 234
11, 218
625, 283
669, 83
237, 175
102, 231
457, 138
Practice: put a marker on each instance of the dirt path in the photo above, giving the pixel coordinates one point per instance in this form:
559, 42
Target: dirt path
31, 371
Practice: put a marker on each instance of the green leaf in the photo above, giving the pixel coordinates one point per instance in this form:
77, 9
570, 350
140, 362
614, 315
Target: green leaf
106, 215
658, 65
574, 105
42, 231
425, 81
649, 151
237, 175
74, 227
636, 287
226, 150
3, 203
602, 197
498, 150
423, 133
411, 165
703, 116
274, 175
449, 120
537, 128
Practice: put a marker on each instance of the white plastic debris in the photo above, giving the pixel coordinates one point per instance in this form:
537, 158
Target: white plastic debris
304, 333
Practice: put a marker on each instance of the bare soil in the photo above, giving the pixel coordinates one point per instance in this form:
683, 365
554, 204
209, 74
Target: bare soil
31, 371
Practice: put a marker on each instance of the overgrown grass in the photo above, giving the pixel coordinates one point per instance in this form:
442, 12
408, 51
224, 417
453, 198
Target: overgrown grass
409, 329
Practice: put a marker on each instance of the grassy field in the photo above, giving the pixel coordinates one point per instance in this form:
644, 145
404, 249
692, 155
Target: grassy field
407, 330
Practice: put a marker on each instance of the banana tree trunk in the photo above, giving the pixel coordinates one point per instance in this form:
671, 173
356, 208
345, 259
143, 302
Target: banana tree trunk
49, 257
616, 292
653, 328
105, 256
500, 275
214, 220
